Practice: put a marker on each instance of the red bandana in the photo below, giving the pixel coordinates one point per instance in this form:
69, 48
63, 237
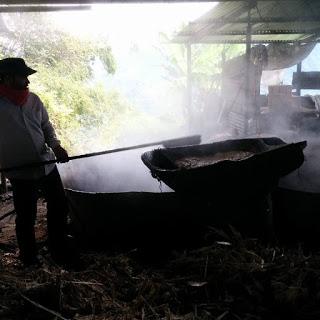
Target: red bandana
18, 97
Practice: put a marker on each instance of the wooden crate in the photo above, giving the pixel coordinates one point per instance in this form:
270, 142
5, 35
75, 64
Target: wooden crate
280, 90
280, 97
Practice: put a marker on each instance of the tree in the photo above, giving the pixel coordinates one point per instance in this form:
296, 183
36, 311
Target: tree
84, 114
207, 60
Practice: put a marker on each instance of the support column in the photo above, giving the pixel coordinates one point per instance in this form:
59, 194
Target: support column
189, 85
247, 73
298, 88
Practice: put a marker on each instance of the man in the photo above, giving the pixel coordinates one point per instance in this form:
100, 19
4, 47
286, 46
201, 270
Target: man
27, 136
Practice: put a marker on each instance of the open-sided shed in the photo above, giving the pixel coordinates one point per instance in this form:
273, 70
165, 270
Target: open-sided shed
290, 22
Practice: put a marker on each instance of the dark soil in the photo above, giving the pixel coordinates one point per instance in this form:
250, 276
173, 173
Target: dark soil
230, 278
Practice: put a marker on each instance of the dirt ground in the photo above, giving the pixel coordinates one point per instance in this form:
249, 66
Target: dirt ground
231, 278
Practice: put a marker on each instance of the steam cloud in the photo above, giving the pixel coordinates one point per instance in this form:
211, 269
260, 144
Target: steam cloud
118, 172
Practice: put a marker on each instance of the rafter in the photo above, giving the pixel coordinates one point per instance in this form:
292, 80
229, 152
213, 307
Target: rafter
47, 8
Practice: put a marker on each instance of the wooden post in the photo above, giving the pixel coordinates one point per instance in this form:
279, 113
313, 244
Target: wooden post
247, 74
298, 87
189, 85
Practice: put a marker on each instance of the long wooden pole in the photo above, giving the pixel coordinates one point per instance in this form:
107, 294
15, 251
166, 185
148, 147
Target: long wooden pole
195, 139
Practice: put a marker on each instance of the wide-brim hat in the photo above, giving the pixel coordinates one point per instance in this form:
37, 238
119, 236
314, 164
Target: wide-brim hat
15, 66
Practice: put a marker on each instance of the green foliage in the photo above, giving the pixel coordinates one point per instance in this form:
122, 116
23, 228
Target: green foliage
206, 62
85, 116
206, 67
35, 37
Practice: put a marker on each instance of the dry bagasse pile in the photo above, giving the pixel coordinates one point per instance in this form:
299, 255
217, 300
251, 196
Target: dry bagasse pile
231, 278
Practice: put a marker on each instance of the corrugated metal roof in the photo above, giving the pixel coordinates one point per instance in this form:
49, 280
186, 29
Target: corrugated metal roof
271, 21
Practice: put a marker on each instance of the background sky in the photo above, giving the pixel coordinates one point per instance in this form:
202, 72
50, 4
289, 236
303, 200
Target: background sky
127, 24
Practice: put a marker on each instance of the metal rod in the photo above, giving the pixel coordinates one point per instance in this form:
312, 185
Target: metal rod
195, 138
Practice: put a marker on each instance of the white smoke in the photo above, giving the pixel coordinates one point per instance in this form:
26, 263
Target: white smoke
115, 172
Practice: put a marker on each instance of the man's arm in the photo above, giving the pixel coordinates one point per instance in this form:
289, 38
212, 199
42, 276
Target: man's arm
51, 138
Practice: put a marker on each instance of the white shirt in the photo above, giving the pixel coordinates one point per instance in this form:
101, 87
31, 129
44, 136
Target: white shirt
26, 136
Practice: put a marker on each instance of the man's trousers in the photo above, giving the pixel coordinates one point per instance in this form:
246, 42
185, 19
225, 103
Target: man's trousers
25, 196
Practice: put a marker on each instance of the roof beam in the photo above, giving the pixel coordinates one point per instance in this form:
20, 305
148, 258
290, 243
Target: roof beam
53, 2
35, 8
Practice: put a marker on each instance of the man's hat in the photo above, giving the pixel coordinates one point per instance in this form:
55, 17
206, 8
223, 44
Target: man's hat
15, 66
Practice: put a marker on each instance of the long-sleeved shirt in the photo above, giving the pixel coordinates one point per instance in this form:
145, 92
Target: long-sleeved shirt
26, 136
